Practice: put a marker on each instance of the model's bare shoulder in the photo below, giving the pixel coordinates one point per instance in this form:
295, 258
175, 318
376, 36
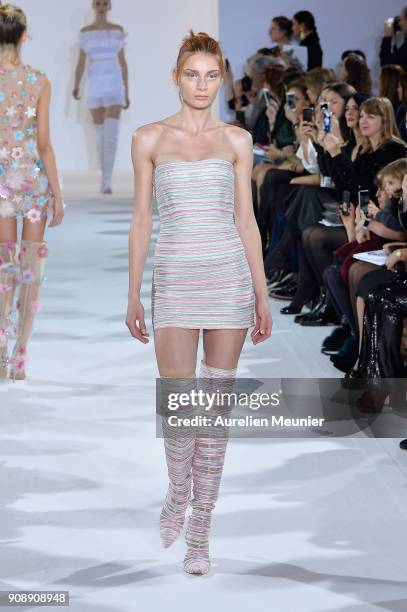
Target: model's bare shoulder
88, 28
241, 141
116, 26
145, 139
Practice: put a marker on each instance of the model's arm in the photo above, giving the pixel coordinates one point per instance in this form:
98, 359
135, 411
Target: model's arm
80, 67
46, 151
125, 74
246, 225
140, 229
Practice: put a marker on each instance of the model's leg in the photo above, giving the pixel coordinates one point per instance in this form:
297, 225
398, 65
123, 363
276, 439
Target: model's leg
217, 372
111, 132
176, 350
33, 252
8, 281
98, 116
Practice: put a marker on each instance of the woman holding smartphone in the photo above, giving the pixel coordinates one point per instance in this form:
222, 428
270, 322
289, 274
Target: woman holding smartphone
29, 188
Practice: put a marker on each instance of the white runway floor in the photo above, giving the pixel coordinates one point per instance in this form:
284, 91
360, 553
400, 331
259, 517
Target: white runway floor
303, 525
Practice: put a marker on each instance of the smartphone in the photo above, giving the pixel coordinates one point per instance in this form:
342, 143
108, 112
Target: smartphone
227, 65
307, 115
324, 107
345, 202
265, 94
363, 200
327, 121
291, 100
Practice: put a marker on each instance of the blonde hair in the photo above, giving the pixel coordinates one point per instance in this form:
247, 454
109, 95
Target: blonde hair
396, 169
199, 43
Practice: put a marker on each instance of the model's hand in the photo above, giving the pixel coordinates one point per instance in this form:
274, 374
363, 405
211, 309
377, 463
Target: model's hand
127, 104
75, 93
264, 322
58, 212
135, 321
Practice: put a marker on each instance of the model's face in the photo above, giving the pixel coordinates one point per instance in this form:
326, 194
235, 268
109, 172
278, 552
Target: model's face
276, 34
101, 7
390, 185
200, 80
296, 28
336, 103
352, 114
370, 125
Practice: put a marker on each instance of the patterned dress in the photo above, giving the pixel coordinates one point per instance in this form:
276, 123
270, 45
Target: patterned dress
201, 276
24, 188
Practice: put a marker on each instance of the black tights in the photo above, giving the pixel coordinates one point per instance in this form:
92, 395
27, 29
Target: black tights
315, 254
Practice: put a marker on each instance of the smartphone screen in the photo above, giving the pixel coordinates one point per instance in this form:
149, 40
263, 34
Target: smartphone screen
291, 101
307, 115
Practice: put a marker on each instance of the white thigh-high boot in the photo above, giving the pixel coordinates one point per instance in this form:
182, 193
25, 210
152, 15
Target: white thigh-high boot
100, 135
109, 151
207, 467
179, 444
8, 281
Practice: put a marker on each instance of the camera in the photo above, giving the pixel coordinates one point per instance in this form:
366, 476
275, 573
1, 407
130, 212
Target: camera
363, 200
324, 107
327, 121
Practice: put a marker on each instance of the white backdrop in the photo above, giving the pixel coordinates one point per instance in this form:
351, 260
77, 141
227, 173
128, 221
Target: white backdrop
344, 24
155, 30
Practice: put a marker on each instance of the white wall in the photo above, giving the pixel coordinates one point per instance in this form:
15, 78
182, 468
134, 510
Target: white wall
342, 24
155, 30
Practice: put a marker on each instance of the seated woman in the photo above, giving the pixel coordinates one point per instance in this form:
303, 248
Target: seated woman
380, 146
364, 234
355, 72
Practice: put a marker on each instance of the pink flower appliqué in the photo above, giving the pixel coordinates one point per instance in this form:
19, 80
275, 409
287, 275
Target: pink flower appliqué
17, 152
21, 350
42, 251
4, 288
35, 306
33, 215
10, 245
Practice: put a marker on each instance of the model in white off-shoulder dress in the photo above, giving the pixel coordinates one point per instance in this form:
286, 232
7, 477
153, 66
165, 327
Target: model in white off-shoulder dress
102, 43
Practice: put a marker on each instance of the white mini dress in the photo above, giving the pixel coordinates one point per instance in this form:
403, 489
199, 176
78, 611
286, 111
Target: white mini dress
105, 86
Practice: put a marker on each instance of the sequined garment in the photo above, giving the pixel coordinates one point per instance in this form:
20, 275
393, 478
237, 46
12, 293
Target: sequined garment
24, 188
385, 310
201, 276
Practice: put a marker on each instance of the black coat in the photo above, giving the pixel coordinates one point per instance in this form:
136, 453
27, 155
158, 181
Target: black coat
314, 50
361, 173
398, 56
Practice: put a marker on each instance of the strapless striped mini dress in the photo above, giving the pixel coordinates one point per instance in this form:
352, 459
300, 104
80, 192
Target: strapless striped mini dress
201, 276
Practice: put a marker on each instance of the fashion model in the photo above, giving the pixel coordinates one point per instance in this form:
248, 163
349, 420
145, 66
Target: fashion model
107, 83
207, 273
29, 188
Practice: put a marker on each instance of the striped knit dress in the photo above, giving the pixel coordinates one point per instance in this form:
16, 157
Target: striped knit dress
201, 276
